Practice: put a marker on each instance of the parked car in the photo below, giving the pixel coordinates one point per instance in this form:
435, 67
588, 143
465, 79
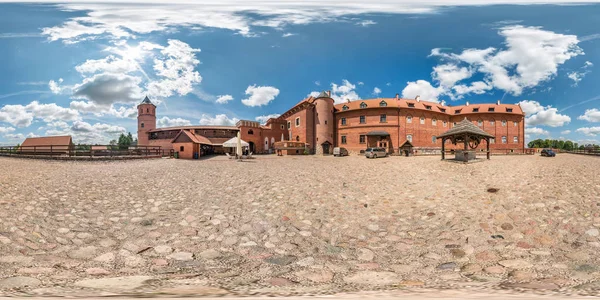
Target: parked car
375, 152
548, 152
340, 151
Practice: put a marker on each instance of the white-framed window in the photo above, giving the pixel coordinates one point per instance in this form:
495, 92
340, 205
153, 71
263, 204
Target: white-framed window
433, 139
363, 119
343, 121
382, 118
363, 105
343, 139
409, 137
289, 124
362, 139
445, 124
492, 122
297, 122
383, 103
515, 139
479, 123
503, 123
408, 119
503, 139
434, 122
515, 123
344, 107
492, 140
422, 120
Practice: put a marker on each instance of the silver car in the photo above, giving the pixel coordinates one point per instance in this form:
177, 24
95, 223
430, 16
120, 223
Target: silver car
375, 152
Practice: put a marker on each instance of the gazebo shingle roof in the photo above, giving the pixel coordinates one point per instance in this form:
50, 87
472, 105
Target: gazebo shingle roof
465, 127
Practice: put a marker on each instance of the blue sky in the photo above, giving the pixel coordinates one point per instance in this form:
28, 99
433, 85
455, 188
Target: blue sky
81, 68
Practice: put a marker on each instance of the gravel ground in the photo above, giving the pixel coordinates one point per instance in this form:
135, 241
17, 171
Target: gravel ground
299, 225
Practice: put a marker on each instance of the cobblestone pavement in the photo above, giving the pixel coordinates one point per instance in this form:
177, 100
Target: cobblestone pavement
299, 225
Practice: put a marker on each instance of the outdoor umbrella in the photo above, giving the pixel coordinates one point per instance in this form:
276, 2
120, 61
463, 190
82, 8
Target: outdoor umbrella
239, 145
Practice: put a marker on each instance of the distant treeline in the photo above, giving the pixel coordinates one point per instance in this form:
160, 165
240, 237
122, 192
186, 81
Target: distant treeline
559, 144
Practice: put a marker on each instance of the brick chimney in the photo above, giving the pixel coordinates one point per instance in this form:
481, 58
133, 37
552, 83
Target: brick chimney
397, 96
329, 94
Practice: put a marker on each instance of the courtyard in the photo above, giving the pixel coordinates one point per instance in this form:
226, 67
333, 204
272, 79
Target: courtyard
298, 225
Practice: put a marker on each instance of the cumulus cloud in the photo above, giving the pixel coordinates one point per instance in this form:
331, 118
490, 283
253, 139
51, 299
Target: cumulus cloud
23, 115
5, 130
565, 132
342, 92
536, 131
109, 64
538, 114
86, 133
288, 34
590, 115
590, 131
224, 98
366, 23
260, 95
263, 119
168, 122
423, 89
221, 119
577, 76
105, 89
55, 86
176, 69
376, 91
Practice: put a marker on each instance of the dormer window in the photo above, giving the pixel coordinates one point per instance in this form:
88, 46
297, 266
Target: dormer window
363, 105
475, 109
344, 107
491, 109
411, 105
457, 111
509, 110
428, 107
383, 104
443, 110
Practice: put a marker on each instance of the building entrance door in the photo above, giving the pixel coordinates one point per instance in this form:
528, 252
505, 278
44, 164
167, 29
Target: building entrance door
325, 148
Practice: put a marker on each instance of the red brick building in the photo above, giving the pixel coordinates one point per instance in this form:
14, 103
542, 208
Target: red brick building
319, 125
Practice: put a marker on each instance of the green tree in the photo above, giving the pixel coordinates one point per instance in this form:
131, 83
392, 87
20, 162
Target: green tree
125, 141
568, 145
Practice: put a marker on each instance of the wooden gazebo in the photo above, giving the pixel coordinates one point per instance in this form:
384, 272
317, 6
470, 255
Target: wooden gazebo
469, 134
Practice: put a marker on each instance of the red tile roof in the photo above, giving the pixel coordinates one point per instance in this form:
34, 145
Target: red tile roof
195, 127
47, 141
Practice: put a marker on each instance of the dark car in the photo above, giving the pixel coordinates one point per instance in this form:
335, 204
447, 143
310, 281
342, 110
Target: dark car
548, 152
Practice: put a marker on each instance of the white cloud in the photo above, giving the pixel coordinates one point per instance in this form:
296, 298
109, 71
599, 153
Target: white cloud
531, 107
590, 131
423, 89
221, 119
177, 70
109, 64
260, 95
288, 34
477, 87
224, 98
345, 91
447, 75
361, 83
263, 119
565, 132
318, 83
542, 115
5, 130
388, 84
23, 115
106, 89
536, 131
590, 115
15, 136
577, 76
376, 91
366, 23
168, 122
55, 87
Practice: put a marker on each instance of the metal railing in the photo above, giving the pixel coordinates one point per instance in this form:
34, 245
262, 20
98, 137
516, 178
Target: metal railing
81, 150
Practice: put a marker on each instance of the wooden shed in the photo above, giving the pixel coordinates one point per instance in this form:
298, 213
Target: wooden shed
47, 145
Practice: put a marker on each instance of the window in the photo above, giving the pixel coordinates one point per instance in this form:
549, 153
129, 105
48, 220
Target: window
297, 122
454, 124
343, 139
492, 140
422, 120
509, 110
344, 107
428, 107
343, 121
289, 125
250, 131
515, 123
503, 123
443, 110
362, 139
383, 104
282, 126
479, 123
475, 109
433, 139
503, 139
180, 148
445, 124
409, 137
297, 138
382, 118
325, 122
142, 125
434, 122
363, 105
457, 111
491, 109
492, 122
147, 110
411, 105
515, 139
363, 120
408, 119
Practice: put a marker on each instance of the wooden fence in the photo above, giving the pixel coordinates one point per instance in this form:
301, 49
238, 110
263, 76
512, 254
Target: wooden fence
590, 151
438, 151
81, 151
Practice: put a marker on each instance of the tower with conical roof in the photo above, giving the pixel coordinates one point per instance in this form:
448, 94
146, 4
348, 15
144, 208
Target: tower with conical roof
146, 120
324, 123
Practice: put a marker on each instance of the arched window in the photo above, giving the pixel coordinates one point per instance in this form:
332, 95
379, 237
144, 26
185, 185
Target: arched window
147, 110
434, 122
297, 138
250, 131
422, 120
344, 107
363, 105
383, 103
142, 125
408, 119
